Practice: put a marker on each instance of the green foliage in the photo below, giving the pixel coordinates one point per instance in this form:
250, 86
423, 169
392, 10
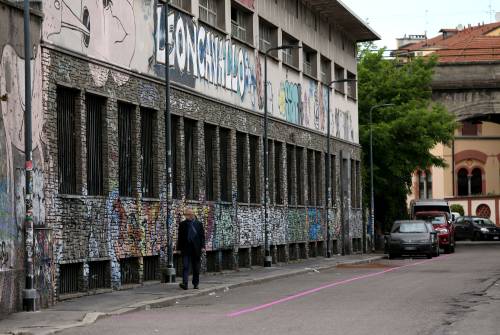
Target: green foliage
458, 208
403, 134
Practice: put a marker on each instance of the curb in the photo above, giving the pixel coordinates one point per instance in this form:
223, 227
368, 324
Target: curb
92, 317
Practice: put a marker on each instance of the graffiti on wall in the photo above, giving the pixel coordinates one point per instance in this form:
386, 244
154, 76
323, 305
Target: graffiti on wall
197, 52
342, 125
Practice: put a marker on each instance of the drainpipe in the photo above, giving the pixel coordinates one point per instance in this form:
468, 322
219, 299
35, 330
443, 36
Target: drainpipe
29, 292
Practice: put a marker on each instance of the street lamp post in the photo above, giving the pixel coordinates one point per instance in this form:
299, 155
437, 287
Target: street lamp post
372, 198
328, 188
170, 275
268, 258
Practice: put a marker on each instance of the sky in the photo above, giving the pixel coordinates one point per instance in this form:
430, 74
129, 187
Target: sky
395, 18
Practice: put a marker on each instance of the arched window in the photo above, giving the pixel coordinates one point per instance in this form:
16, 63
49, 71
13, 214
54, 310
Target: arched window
462, 182
476, 182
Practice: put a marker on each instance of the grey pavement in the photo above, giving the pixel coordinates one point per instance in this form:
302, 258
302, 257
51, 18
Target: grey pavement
449, 295
88, 309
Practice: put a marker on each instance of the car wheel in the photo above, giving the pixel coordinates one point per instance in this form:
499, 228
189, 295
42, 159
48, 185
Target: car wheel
447, 249
429, 255
452, 248
392, 255
477, 236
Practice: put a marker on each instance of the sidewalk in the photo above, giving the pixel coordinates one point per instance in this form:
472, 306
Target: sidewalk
86, 310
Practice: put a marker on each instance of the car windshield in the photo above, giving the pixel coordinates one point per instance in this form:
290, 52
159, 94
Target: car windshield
483, 222
433, 219
406, 228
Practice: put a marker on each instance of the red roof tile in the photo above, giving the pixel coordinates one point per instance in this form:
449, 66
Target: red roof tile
468, 45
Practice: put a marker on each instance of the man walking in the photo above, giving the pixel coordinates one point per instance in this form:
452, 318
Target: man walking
191, 243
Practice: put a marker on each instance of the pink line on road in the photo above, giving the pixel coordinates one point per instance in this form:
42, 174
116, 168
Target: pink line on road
317, 289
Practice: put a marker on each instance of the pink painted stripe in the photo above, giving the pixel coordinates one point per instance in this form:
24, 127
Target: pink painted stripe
317, 289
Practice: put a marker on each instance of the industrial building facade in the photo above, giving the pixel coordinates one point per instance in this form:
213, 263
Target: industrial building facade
99, 137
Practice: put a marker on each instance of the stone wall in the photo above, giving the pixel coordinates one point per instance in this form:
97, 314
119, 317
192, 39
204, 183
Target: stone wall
111, 228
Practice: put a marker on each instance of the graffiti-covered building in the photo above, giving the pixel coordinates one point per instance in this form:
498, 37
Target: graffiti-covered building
99, 134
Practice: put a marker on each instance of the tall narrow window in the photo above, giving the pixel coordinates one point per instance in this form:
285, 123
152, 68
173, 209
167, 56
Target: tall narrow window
326, 69
175, 121
241, 167
125, 121
254, 169
95, 110
358, 184
299, 165
289, 171
210, 156
351, 85
66, 141
462, 181
290, 56
268, 36
421, 185
225, 163
190, 158
310, 178
476, 182
278, 195
353, 183
333, 178
147, 150
428, 180
317, 183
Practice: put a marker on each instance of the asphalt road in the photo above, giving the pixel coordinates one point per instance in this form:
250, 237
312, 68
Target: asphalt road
452, 294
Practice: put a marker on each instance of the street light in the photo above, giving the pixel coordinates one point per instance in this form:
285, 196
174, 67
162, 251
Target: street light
268, 258
327, 169
372, 199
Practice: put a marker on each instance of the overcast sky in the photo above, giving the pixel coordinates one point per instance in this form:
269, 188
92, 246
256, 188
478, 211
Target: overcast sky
395, 18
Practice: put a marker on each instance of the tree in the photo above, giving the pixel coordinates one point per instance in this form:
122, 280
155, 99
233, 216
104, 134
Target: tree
403, 134
457, 208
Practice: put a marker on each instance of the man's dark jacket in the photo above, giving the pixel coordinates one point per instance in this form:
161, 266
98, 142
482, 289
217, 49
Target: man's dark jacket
186, 248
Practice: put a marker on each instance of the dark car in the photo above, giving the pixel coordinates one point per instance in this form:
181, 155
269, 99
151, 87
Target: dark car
476, 228
411, 237
441, 222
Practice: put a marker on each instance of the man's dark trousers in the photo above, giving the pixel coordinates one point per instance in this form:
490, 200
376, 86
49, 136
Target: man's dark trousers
194, 261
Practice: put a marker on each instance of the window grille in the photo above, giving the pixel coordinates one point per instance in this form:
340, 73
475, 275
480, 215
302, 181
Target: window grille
210, 138
300, 175
175, 158
95, 110
125, 121
278, 174
317, 182
241, 166
254, 169
289, 171
151, 268
147, 150
190, 158
66, 101
238, 24
69, 278
225, 163
98, 275
129, 271
310, 178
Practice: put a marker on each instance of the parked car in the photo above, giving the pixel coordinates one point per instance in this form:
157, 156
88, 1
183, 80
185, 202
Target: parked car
455, 216
411, 237
476, 228
442, 224
429, 205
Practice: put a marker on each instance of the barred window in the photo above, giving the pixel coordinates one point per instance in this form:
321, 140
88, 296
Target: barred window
289, 170
254, 169
278, 196
174, 133
96, 106
190, 154
299, 165
317, 181
210, 157
66, 145
125, 122
241, 166
310, 178
147, 151
225, 163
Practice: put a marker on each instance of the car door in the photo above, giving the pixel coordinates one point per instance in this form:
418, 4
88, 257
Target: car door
468, 228
459, 229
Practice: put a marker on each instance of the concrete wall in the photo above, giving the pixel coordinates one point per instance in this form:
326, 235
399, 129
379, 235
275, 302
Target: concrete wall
207, 60
12, 181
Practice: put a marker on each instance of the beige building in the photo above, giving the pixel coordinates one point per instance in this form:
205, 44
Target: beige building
466, 81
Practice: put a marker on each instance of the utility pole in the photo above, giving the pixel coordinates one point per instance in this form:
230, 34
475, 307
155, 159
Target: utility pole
29, 292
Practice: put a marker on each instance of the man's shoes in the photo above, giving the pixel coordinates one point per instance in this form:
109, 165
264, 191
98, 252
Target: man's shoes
196, 287
183, 286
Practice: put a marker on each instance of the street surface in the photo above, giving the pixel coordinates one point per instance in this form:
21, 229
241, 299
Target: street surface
452, 294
